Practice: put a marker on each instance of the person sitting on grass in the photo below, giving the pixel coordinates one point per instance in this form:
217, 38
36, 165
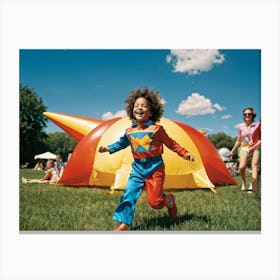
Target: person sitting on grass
146, 139
39, 166
51, 175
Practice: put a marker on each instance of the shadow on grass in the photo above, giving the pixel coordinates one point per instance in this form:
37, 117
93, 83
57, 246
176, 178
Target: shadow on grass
166, 223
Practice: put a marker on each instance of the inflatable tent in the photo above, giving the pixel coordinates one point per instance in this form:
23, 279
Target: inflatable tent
88, 167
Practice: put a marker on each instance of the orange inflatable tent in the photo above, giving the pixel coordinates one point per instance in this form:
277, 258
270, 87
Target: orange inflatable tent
88, 167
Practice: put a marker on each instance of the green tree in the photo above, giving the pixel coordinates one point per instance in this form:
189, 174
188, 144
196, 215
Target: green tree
32, 124
221, 140
60, 143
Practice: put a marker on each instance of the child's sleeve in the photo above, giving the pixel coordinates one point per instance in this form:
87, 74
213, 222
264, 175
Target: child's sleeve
119, 145
171, 144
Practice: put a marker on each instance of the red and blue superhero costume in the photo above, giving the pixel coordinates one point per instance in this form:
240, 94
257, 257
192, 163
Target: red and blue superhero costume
146, 141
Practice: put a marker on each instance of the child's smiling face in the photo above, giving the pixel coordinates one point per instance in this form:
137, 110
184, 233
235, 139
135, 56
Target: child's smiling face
141, 110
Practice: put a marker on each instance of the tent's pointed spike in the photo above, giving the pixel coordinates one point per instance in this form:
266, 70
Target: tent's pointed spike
202, 131
213, 190
75, 126
201, 179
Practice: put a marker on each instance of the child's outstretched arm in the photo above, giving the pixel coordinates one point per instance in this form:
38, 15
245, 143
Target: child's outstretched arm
119, 145
174, 146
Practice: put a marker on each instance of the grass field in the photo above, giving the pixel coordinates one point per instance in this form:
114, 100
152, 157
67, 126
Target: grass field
45, 207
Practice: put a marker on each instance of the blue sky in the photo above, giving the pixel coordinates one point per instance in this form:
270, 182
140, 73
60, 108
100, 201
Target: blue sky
206, 89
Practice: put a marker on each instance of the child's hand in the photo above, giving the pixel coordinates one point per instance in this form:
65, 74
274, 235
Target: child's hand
189, 157
103, 149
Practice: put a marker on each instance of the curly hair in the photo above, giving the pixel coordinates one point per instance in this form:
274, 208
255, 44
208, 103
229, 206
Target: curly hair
154, 99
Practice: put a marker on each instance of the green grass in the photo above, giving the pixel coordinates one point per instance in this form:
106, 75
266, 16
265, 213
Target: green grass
45, 207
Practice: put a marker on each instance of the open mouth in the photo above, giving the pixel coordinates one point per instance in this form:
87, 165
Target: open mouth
139, 113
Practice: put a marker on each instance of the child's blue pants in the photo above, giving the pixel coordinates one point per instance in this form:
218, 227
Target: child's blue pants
147, 173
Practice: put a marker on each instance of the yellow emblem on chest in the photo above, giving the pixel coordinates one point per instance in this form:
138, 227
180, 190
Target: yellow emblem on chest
141, 143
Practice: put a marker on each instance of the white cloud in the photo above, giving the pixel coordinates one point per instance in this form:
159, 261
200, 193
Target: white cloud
168, 58
197, 104
194, 62
109, 115
225, 117
219, 107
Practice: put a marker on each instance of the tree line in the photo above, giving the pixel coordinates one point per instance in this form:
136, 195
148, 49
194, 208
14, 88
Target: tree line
34, 140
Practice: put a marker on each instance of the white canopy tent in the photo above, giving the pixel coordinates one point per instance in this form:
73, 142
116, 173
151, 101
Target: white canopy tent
223, 152
46, 155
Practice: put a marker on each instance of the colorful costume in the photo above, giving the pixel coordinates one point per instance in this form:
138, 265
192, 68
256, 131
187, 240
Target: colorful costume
250, 137
146, 143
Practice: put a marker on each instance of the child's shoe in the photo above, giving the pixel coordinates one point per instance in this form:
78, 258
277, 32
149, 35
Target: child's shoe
23, 180
172, 208
121, 227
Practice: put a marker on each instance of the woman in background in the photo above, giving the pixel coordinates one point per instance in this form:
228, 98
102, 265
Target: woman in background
249, 142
